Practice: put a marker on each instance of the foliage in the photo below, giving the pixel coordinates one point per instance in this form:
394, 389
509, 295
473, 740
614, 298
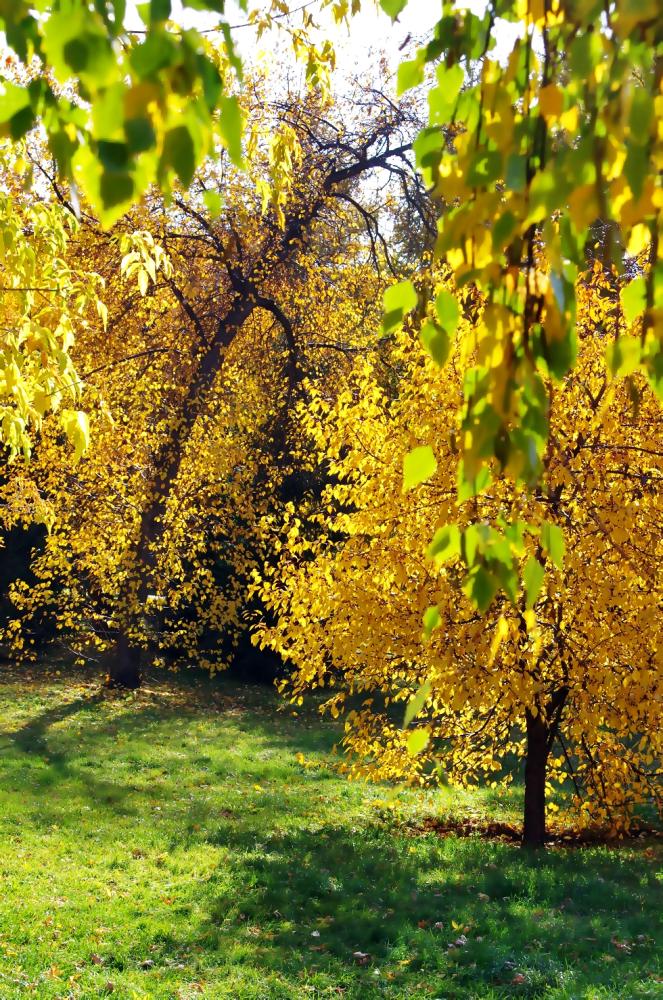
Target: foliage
44, 301
540, 156
126, 109
575, 659
149, 847
121, 111
213, 323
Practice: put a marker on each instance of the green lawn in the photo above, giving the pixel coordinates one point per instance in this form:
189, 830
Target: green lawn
171, 845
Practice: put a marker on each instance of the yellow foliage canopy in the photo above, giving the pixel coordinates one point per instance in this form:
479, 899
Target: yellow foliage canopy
580, 651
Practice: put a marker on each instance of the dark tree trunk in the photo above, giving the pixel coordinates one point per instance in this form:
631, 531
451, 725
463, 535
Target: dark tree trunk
534, 827
124, 665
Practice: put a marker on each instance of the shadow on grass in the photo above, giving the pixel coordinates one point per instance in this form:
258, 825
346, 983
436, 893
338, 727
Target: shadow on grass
299, 883
314, 902
31, 737
107, 760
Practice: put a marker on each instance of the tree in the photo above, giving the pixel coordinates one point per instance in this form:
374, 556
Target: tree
213, 331
566, 675
559, 135
122, 111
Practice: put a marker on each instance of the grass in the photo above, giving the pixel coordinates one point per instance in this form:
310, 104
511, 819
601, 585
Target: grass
171, 845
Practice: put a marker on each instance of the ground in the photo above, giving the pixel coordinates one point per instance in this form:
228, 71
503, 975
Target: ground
172, 844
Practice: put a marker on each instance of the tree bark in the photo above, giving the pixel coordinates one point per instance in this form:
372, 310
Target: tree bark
124, 665
534, 827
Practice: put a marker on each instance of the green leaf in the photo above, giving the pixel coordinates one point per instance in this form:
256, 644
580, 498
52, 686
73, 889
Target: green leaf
533, 575
642, 111
154, 54
231, 49
211, 80
442, 99
503, 229
431, 621
633, 299
230, 126
419, 465
159, 10
399, 299
16, 113
393, 7
480, 586
76, 45
623, 356
485, 168
213, 202
445, 544
12, 99
652, 361
636, 168
428, 148
474, 539
416, 703
516, 172
140, 134
113, 156
410, 74
178, 153
471, 487
436, 342
108, 113
552, 540
448, 311
417, 741
560, 354
115, 189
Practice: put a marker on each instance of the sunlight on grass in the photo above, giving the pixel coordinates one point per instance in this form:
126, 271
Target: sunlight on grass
171, 845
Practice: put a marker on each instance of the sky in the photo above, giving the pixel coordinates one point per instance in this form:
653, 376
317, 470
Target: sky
371, 31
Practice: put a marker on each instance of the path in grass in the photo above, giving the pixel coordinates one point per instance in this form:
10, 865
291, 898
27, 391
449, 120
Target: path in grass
171, 845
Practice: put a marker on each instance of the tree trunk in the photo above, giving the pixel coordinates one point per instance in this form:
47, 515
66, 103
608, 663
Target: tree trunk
124, 665
534, 827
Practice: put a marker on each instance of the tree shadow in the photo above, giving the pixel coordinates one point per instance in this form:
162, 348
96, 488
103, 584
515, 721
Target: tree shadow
31, 737
297, 888
60, 760
471, 916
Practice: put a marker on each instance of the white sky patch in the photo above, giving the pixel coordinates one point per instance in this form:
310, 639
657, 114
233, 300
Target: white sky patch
371, 32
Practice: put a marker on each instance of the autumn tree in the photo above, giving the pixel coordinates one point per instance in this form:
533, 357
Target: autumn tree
214, 324
545, 140
566, 676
